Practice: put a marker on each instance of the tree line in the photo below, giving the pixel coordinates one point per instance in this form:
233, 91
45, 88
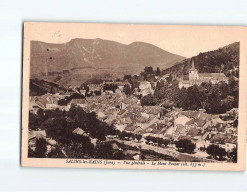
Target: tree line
214, 98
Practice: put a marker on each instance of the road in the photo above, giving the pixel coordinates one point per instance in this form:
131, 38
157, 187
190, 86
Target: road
183, 157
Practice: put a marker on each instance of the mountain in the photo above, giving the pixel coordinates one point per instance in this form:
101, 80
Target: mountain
79, 59
224, 59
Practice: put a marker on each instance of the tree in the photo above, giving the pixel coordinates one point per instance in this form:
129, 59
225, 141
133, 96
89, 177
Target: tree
160, 84
138, 137
193, 98
148, 100
127, 77
148, 70
228, 103
127, 89
216, 152
158, 71
40, 148
98, 93
165, 142
234, 155
169, 79
185, 145
56, 153
34, 121
106, 151
84, 86
80, 149
110, 87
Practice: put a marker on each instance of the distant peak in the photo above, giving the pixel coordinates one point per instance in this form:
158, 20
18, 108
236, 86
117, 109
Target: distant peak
98, 39
139, 43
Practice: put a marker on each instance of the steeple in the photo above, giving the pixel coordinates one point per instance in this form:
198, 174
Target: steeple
192, 65
193, 73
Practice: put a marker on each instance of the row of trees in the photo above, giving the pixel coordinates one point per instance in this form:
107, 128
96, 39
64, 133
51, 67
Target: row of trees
78, 147
158, 140
214, 98
110, 87
66, 100
216, 152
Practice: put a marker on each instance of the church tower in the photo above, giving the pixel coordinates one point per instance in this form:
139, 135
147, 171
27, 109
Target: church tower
193, 72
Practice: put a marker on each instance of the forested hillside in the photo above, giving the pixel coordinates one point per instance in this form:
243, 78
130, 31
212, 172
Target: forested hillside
40, 87
225, 59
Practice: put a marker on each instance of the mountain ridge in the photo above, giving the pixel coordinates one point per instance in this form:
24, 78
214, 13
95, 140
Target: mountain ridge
104, 56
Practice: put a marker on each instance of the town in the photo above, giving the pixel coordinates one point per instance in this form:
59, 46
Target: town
151, 116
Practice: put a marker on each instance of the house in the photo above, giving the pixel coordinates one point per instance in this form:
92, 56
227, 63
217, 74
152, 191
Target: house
180, 131
144, 123
34, 107
79, 102
181, 120
94, 141
94, 87
123, 105
120, 127
200, 140
51, 106
39, 133
127, 121
190, 124
218, 139
164, 77
118, 90
83, 92
153, 111
129, 128
158, 128
139, 130
145, 88
170, 131
145, 114
101, 115
202, 124
111, 119
79, 131
47, 101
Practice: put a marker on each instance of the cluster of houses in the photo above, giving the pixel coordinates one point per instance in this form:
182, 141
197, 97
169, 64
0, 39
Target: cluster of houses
125, 113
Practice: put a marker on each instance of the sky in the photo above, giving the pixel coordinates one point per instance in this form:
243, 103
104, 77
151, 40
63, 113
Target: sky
186, 41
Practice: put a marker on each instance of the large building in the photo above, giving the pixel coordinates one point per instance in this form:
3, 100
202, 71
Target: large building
196, 78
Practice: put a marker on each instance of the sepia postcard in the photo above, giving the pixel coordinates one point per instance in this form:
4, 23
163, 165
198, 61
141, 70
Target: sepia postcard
134, 96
